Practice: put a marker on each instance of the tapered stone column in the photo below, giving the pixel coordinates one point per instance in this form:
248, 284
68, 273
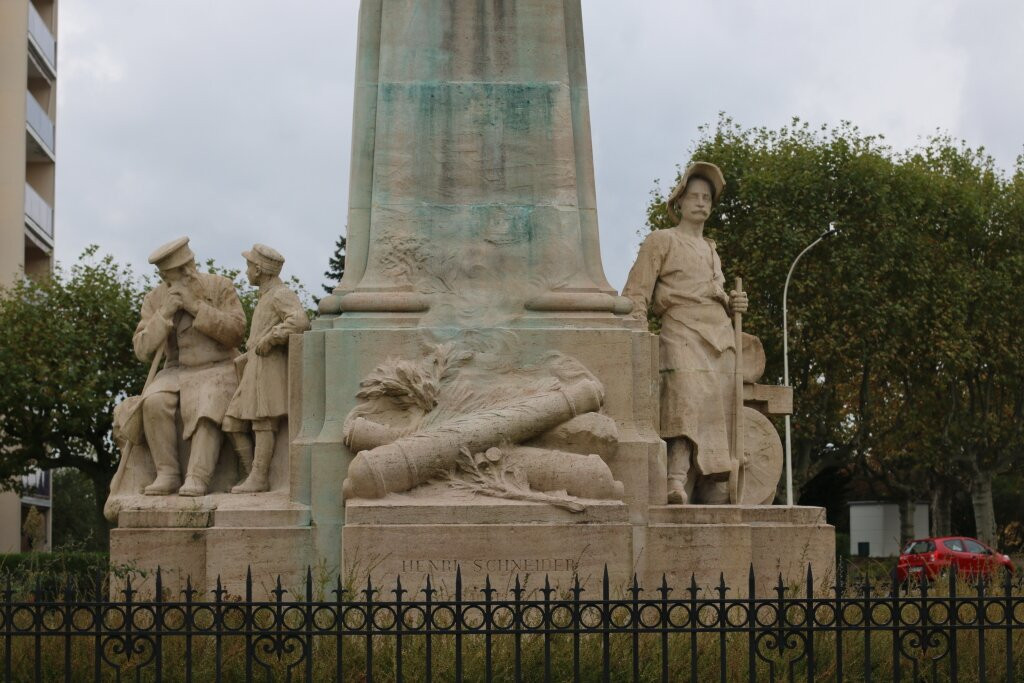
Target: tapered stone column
472, 131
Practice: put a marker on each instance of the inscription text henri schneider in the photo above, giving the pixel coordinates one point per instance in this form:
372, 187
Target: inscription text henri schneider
492, 565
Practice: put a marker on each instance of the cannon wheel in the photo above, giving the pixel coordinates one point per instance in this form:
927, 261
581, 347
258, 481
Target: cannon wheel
755, 482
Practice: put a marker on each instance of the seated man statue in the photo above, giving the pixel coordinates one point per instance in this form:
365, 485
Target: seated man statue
261, 399
196, 322
679, 275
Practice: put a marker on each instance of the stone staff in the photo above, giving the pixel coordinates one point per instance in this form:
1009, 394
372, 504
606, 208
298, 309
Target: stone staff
738, 455
412, 460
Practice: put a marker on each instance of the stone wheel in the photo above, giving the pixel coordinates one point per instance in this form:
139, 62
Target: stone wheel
759, 478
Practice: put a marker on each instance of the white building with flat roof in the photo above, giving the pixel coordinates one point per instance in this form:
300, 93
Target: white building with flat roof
875, 527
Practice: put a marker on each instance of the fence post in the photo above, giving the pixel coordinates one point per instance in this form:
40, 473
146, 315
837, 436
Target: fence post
339, 625
635, 591
428, 616
694, 623
811, 668
249, 626
399, 591
517, 629
982, 665
606, 661
751, 625
840, 589
368, 593
547, 623
308, 623
723, 621
158, 617
1008, 621
458, 623
577, 625
189, 617
488, 627
954, 619
665, 622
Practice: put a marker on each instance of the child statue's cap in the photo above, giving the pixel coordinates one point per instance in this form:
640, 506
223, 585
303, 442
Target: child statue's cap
173, 254
267, 258
703, 169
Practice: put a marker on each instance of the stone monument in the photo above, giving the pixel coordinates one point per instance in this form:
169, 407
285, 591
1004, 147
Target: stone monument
474, 393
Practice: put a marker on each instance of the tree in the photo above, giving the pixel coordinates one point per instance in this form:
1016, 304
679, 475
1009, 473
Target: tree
65, 360
894, 324
336, 265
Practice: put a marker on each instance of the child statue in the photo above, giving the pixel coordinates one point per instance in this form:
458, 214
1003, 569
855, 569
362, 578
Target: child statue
262, 395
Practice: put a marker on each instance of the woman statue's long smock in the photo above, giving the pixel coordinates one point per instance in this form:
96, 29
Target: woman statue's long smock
680, 276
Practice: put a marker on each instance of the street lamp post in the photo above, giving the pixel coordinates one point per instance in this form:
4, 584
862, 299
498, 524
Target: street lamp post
785, 356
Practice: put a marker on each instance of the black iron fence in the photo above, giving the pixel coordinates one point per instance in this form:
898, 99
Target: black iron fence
857, 630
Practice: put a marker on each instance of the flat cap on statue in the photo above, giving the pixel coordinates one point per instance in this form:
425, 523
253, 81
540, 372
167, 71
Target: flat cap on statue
173, 254
264, 257
703, 169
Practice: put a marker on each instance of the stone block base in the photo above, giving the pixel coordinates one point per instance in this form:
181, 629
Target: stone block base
709, 541
497, 539
209, 544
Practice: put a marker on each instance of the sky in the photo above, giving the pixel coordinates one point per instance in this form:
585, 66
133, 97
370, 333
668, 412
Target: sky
230, 120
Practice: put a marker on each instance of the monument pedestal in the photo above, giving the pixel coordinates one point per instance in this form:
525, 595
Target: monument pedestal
413, 536
710, 542
217, 536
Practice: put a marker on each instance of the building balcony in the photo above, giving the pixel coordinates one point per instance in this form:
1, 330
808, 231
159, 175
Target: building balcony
42, 42
38, 216
39, 132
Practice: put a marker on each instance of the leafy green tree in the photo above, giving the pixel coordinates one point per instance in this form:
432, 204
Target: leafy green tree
65, 360
898, 326
336, 265
74, 521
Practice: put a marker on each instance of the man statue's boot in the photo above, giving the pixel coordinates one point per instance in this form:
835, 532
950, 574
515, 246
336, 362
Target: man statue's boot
680, 488
168, 472
158, 415
202, 459
259, 478
243, 447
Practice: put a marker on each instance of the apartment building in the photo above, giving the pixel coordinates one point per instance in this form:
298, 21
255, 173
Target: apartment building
28, 109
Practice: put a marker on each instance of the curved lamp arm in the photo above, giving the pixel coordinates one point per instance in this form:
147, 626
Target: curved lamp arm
832, 230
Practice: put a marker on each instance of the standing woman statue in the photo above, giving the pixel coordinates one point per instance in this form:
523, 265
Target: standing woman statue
678, 274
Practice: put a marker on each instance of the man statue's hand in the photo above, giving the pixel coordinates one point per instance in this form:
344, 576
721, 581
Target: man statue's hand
172, 304
738, 302
189, 302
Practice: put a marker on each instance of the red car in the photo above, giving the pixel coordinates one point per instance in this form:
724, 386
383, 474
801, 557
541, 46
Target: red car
928, 558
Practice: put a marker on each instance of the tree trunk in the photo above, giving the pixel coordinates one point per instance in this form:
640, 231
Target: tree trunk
940, 509
101, 488
984, 509
907, 508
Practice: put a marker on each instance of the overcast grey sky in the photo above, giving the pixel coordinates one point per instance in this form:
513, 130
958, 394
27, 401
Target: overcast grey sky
230, 120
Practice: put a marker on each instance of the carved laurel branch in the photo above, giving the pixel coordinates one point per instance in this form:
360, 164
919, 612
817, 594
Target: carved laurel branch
489, 474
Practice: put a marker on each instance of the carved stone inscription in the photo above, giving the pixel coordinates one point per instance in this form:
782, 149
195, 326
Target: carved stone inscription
492, 565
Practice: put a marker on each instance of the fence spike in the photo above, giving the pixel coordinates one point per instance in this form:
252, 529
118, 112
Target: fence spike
751, 581
810, 580
159, 585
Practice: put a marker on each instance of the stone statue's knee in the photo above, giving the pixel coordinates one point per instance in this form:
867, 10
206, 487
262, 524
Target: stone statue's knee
159, 405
